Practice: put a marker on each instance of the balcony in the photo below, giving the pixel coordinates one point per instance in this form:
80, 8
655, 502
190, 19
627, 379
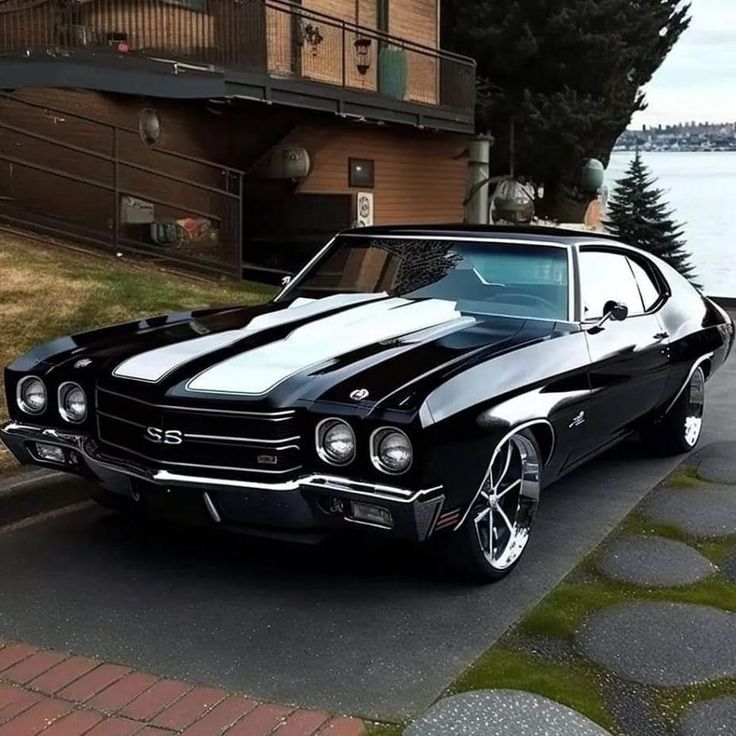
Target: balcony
268, 50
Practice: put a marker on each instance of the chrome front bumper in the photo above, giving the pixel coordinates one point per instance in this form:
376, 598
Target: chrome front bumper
311, 502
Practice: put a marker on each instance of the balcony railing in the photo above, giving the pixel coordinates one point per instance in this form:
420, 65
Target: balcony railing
270, 36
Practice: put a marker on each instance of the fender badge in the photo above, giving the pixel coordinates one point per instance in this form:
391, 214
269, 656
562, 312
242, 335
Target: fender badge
360, 394
83, 363
578, 421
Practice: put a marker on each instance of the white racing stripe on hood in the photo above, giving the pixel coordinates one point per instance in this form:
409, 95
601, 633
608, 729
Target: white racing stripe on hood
259, 370
154, 365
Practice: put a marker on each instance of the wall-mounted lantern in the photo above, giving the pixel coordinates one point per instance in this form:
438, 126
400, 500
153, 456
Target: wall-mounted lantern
149, 126
364, 54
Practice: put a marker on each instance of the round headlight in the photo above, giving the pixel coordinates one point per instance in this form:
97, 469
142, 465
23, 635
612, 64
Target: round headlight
335, 442
391, 451
72, 403
31, 395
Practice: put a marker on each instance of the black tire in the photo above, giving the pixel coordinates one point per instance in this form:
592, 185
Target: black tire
679, 431
508, 499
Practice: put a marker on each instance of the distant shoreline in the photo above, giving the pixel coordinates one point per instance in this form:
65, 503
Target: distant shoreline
674, 150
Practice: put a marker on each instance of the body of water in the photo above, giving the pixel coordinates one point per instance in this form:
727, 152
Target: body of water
701, 189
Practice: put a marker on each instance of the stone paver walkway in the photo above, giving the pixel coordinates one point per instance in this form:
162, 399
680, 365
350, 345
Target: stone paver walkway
662, 644
49, 693
502, 713
712, 718
706, 513
654, 562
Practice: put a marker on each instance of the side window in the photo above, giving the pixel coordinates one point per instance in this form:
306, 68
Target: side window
650, 294
606, 277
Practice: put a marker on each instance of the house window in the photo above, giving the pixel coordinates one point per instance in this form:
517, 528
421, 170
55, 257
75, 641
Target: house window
361, 173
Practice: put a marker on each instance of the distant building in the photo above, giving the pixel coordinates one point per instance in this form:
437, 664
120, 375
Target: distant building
688, 136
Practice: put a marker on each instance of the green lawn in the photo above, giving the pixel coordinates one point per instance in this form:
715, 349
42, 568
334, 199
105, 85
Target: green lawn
47, 291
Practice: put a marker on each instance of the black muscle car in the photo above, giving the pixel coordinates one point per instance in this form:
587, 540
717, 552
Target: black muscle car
415, 382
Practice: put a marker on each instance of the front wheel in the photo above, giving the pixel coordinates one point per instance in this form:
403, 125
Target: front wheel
680, 430
497, 528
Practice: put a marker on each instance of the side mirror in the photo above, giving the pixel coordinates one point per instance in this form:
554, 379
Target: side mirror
612, 311
616, 311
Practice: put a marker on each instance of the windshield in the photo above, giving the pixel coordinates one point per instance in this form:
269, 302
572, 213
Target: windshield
483, 278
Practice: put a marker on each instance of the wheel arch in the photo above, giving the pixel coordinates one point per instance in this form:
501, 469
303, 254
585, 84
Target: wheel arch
706, 363
544, 434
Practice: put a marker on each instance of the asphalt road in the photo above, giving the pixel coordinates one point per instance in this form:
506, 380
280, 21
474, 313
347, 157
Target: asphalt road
370, 631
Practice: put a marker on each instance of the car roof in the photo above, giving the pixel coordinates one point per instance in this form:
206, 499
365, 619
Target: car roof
512, 232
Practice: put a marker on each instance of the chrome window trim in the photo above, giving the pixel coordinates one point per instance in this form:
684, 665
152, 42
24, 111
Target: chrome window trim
459, 238
290, 286
375, 460
65, 387
630, 253
318, 444
19, 397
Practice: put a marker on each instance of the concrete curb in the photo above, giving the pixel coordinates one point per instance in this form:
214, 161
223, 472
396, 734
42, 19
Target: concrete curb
25, 493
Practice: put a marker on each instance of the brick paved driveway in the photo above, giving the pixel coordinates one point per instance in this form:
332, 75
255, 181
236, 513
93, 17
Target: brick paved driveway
56, 694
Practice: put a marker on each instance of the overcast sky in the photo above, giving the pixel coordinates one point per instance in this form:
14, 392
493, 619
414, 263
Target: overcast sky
698, 79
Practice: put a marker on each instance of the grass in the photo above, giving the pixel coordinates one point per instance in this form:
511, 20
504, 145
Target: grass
385, 729
47, 291
569, 684
577, 684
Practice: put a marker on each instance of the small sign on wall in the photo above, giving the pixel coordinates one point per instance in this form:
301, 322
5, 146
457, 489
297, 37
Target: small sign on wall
364, 209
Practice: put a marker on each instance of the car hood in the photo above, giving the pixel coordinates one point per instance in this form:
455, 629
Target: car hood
371, 350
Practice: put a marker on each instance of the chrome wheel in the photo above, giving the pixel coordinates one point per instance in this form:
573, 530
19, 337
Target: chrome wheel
507, 502
695, 408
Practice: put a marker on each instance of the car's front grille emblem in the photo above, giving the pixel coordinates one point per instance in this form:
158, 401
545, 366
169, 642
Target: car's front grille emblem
164, 436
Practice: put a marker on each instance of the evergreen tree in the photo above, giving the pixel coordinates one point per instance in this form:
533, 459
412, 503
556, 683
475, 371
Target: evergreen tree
567, 73
639, 216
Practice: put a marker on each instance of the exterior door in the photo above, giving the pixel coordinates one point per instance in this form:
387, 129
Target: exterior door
629, 360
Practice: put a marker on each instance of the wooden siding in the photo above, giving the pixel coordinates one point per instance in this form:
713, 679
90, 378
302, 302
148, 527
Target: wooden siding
418, 177
413, 20
163, 27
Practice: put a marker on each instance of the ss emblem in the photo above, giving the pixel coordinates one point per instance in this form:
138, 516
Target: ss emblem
164, 437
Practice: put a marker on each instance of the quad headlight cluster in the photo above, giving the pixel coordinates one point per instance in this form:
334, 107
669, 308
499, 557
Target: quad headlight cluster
391, 450
32, 398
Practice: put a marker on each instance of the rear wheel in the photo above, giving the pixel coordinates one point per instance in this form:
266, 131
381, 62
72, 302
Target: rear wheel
497, 529
680, 430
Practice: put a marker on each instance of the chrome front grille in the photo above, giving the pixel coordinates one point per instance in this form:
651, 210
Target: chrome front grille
237, 444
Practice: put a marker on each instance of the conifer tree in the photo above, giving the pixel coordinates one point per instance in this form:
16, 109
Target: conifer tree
639, 216
565, 75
